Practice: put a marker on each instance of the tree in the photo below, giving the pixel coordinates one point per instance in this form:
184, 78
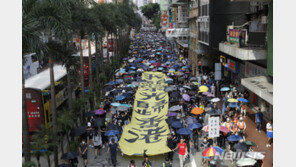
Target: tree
31, 42
152, 12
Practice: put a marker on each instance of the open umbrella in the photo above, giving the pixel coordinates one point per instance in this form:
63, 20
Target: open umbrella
243, 100
187, 87
232, 105
255, 155
119, 98
78, 131
122, 108
215, 100
232, 100
175, 108
111, 83
169, 80
209, 152
172, 114
246, 162
115, 104
243, 147
249, 143
99, 112
203, 88
224, 89
69, 155
234, 138
89, 114
194, 126
111, 132
186, 97
191, 120
177, 124
184, 131
197, 111
112, 126
218, 149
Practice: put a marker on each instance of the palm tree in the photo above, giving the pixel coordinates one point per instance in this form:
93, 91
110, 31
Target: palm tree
31, 42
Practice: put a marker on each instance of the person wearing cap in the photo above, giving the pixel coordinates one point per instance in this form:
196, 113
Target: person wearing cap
242, 127
182, 146
227, 124
89, 132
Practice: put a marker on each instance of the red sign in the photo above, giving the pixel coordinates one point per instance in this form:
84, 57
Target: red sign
232, 65
164, 19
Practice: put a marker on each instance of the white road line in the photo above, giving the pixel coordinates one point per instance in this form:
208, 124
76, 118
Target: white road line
193, 164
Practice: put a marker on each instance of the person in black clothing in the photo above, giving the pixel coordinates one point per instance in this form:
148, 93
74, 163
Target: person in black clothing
113, 151
166, 163
171, 144
83, 151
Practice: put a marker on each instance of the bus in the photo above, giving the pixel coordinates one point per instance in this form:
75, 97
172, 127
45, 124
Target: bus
38, 97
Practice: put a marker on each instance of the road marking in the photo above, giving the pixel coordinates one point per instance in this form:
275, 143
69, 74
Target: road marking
193, 164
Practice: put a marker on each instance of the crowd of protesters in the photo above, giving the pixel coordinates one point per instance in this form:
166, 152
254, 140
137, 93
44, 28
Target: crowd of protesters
152, 52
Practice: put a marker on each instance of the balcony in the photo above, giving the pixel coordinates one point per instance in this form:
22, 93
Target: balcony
245, 53
260, 86
193, 12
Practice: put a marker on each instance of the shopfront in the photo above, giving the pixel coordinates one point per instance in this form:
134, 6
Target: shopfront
231, 69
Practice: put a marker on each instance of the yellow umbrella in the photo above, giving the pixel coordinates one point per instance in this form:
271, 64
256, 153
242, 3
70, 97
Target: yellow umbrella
232, 100
195, 83
203, 88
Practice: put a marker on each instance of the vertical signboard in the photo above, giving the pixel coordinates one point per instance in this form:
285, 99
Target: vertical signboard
217, 71
214, 127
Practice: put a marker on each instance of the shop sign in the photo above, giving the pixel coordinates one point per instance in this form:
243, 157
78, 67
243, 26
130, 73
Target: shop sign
232, 65
235, 33
223, 60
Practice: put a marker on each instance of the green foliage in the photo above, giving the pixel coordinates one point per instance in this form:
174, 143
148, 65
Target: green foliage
156, 21
150, 10
65, 121
74, 145
29, 164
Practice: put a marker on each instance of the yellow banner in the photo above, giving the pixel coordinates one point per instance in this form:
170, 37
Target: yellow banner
148, 129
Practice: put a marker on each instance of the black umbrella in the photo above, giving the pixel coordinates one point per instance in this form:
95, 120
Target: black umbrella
112, 126
89, 114
243, 147
78, 131
176, 94
213, 112
170, 120
108, 88
99, 121
69, 155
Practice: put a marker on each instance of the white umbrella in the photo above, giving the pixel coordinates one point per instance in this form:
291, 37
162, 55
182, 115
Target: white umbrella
246, 162
175, 108
215, 100
255, 155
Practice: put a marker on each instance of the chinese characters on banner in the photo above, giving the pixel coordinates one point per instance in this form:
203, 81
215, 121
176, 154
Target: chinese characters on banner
148, 129
214, 127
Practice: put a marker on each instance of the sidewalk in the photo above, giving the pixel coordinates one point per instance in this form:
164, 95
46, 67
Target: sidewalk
259, 138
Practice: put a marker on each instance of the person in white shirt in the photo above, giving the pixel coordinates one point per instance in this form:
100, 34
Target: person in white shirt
269, 132
213, 89
97, 142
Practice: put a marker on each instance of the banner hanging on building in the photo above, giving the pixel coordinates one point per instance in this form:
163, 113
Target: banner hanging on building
148, 129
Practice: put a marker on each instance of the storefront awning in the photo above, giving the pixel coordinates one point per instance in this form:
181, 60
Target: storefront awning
183, 43
260, 86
